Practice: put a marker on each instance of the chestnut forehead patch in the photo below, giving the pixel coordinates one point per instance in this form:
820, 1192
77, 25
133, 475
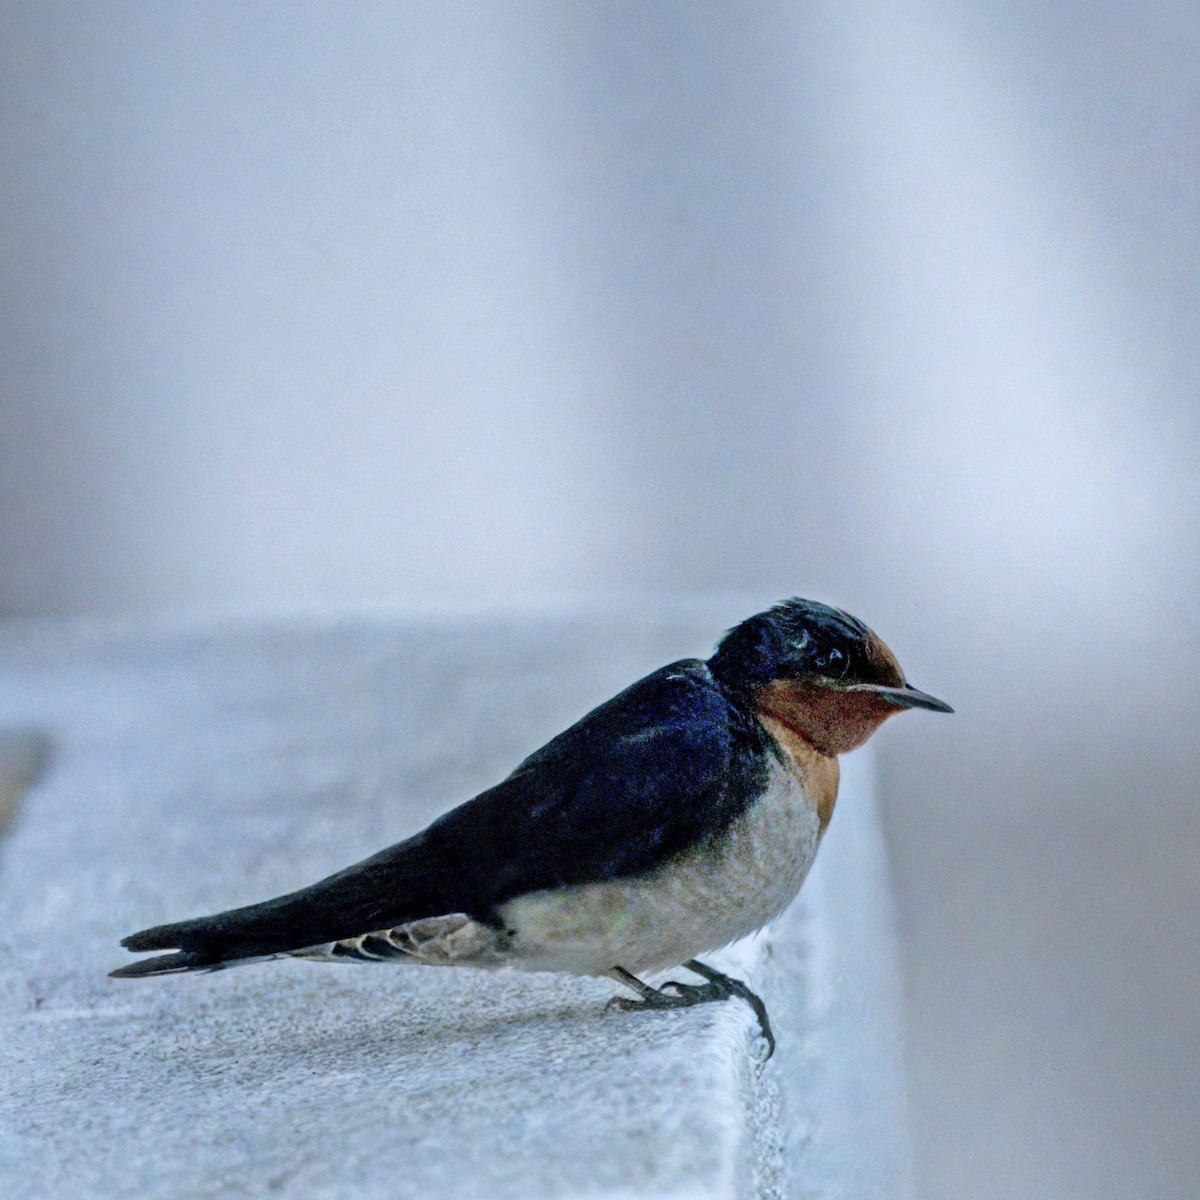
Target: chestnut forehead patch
884, 667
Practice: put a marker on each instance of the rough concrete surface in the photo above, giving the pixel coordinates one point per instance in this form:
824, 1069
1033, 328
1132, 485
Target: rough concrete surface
195, 769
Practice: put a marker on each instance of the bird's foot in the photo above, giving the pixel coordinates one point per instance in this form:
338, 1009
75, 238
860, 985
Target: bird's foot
674, 994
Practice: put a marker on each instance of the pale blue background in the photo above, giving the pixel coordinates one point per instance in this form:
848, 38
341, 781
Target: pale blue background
459, 306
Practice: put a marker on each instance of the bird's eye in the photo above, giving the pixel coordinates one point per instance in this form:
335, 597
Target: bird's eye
833, 664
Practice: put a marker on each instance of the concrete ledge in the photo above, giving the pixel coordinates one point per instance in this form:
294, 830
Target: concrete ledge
194, 770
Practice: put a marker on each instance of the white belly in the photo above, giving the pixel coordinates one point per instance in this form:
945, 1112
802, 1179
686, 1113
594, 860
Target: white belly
702, 900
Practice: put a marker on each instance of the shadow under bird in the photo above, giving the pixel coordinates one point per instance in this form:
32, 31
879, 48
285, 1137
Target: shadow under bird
675, 818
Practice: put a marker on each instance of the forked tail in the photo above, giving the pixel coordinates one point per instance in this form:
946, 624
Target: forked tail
404, 882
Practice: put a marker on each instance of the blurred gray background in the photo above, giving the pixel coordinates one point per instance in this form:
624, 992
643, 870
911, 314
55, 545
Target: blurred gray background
313, 307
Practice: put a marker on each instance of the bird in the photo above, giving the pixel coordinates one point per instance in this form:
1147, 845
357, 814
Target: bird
670, 821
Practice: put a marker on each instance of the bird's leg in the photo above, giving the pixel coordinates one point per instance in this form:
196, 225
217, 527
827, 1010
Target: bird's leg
644, 990
674, 994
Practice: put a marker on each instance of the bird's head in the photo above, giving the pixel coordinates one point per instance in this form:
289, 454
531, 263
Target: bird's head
818, 670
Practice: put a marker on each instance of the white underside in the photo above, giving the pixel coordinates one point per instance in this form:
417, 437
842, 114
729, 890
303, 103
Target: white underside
700, 901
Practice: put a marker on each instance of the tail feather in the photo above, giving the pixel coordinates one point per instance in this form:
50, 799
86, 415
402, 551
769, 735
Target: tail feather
401, 883
163, 964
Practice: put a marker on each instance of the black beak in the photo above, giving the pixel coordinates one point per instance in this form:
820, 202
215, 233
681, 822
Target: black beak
909, 697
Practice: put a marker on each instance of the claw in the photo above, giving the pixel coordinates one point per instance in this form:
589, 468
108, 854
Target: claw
674, 994
621, 1004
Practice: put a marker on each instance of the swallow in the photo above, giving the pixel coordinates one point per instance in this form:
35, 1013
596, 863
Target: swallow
675, 818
